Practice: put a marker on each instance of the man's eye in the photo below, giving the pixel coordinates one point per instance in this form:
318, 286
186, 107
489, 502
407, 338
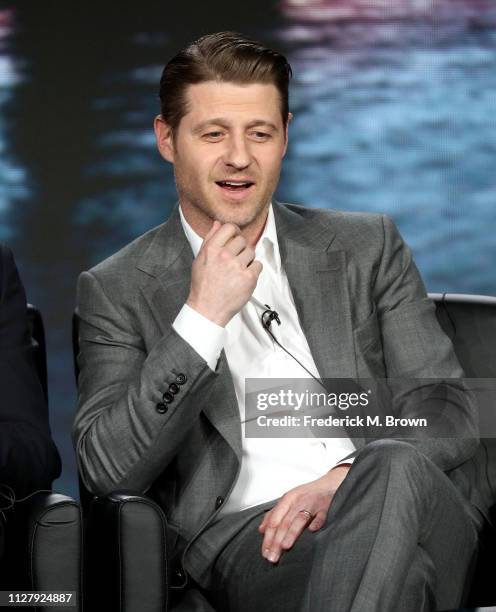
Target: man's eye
261, 135
213, 135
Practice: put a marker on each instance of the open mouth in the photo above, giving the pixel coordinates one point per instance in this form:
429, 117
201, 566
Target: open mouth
235, 185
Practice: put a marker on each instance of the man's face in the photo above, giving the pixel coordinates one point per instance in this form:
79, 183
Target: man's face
227, 153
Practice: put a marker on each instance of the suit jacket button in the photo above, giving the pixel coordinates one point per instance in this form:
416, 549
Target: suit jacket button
218, 502
168, 397
173, 388
181, 379
162, 408
178, 578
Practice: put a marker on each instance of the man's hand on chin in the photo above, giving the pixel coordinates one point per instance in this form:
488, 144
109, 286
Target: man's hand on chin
283, 525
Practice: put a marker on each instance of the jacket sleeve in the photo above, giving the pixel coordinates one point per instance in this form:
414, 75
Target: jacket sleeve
29, 459
124, 433
424, 375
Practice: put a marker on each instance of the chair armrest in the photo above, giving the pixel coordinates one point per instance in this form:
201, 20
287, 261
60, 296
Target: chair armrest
43, 546
125, 554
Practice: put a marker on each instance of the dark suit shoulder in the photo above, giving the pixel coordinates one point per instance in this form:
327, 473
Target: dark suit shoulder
5, 252
13, 319
7, 268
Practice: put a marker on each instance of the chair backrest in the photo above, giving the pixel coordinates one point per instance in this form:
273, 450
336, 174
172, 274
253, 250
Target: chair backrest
470, 323
37, 330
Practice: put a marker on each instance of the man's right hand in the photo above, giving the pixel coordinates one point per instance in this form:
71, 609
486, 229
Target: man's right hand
224, 274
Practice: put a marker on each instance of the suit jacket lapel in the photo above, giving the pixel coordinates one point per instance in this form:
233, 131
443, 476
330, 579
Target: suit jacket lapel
317, 276
167, 263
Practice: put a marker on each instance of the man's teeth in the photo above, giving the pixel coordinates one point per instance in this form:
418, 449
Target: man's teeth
235, 183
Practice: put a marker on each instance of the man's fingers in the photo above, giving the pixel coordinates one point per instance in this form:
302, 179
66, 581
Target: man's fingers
236, 245
229, 235
246, 256
318, 521
287, 529
304, 507
269, 532
278, 512
281, 538
256, 267
272, 521
211, 232
286, 536
263, 524
224, 233
215, 226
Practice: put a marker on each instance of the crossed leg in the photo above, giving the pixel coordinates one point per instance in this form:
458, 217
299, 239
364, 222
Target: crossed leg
399, 536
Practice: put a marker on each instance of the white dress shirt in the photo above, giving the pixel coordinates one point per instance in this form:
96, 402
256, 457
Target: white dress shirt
270, 466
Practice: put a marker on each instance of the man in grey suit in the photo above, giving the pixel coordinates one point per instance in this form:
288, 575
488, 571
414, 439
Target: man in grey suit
170, 327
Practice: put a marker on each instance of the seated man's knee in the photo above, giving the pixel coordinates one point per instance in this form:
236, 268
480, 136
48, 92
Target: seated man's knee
400, 453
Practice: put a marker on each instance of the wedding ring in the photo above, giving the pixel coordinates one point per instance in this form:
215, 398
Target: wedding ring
309, 514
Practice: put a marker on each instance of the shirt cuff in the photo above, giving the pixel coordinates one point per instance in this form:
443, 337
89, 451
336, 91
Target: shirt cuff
204, 336
344, 462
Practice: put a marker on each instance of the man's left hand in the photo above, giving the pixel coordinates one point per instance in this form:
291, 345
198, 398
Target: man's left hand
285, 522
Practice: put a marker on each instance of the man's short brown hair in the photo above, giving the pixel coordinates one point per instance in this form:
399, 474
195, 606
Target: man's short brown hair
227, 57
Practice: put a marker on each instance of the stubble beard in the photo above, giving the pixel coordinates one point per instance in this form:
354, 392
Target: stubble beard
209, 210
246, 219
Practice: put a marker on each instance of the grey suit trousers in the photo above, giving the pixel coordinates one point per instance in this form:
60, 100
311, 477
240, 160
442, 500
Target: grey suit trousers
399, 536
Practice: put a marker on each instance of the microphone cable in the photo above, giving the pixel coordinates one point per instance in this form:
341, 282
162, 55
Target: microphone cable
266, 319
7, 494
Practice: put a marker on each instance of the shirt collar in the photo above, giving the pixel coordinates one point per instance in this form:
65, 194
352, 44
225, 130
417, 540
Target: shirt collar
267, 240
194, 240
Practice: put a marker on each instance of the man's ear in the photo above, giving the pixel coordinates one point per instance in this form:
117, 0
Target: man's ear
290, 118
164, 136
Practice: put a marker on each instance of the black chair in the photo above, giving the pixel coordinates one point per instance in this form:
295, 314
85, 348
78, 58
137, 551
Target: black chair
125, 554
470, 322
43, 533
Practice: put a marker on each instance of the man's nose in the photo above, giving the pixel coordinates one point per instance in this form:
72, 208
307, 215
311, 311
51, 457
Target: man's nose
237, 153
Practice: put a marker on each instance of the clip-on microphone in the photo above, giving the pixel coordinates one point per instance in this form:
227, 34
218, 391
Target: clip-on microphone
268, 316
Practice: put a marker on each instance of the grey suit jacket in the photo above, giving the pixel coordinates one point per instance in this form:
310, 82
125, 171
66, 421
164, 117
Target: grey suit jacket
363, 309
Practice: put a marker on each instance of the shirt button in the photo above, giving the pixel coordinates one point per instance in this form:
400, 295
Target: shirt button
168, 397
161, 408
218, 502
173, 388
181, 379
